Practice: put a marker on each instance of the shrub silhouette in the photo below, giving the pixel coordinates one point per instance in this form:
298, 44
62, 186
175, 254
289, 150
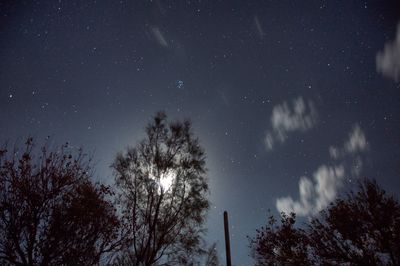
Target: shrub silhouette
50, 211
361, 229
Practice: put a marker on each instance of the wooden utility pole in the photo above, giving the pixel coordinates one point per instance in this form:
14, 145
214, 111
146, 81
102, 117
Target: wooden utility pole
227, 242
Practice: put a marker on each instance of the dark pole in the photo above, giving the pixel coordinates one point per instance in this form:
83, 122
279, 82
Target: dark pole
227, 242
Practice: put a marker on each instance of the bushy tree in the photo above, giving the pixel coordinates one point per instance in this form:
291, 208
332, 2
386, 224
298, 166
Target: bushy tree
282, 244
361, 229
50, 211
163, 195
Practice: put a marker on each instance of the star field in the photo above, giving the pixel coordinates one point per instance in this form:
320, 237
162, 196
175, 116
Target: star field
285, 96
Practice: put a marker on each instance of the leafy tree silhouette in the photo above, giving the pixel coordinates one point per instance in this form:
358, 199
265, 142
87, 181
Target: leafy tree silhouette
50, 211
163, 196
280, 244
362, 229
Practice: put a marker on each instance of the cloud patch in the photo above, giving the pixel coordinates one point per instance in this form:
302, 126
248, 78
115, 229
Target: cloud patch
314, 196
357, 142
287, 118
316, 193
388, 60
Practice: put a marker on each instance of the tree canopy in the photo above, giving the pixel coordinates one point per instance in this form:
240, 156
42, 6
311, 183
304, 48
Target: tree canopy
50, 211
361, 229
163, 195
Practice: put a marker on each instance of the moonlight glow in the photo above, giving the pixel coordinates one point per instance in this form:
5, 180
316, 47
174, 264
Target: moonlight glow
167, 180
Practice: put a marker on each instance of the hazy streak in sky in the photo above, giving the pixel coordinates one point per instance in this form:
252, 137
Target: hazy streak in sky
159, 36
258, 26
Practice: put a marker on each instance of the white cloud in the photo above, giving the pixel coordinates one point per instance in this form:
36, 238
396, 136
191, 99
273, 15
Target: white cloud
269, 141
388, 60
328, 180
357, 142
285, 119
314, 196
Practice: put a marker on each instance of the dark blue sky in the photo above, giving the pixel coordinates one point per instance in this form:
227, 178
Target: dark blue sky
280, 92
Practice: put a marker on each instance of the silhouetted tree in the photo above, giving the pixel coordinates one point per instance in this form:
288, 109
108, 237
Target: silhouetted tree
211, 256
362, 229
280, 244
163, 195
50, 211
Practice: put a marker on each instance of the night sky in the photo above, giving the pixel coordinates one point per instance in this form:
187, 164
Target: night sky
293, 101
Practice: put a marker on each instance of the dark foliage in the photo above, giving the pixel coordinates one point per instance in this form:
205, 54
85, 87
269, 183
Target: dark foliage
162, 224
280, 244
50, 211
362, 229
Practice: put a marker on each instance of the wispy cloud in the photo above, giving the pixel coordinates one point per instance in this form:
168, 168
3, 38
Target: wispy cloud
388, 60
315, 194
158, 36
260, 30
287, 118
356, 142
